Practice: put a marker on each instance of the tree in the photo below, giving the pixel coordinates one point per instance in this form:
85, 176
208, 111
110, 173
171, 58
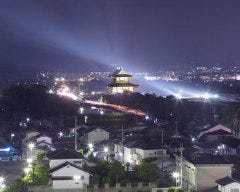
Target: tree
116, 171
147, 171
40, 174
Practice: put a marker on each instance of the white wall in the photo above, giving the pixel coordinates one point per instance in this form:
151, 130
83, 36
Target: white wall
69, 171
150, 153
228, 188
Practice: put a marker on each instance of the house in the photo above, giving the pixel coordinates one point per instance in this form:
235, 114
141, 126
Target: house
97, 135
218, 135
60, 156
69, 176
31, 133
199, 172
215, 128
40, 143
68, 169
228, 184
136, 151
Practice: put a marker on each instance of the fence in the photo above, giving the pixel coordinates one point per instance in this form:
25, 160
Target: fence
118, 187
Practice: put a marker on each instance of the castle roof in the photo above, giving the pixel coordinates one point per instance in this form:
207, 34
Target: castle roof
120, 73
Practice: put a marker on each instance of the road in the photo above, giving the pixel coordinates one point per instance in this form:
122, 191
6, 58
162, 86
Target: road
11, 171
117, 107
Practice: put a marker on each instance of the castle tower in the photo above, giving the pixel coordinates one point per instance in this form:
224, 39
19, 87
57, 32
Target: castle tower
121, 82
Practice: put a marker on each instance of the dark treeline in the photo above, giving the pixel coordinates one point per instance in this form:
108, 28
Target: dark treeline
34, 100
184, 110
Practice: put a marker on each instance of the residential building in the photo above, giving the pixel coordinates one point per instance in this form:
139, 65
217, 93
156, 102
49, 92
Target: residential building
60, 156
228, 184
199, 172
69, 176
97, 135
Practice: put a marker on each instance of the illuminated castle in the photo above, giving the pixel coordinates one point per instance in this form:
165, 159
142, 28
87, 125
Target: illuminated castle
121, 82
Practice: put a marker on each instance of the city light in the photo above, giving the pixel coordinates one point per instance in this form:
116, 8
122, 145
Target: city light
176, 176
178, 96
105, 149
31, 146
60, 134
29, 161
90, 145
76, 177
27, 170
2, 184
85, 119
81, 110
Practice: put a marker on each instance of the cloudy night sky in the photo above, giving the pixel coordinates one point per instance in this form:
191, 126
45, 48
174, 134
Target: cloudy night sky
140, 35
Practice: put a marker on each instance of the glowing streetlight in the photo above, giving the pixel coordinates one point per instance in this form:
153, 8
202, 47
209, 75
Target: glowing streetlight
85, 119
147, 118
29, 161
31, 146
105, 149
27, 170
101, 112
27, 119
81, 110
176, 176
90, 145
2, 180
60, 134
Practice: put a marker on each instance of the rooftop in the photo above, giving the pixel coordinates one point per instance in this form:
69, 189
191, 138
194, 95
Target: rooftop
65, 154
225, 181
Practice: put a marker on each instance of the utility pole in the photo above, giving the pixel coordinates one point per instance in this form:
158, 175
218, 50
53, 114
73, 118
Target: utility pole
162, 147
122, 146
176, 128
75, 134
181, 164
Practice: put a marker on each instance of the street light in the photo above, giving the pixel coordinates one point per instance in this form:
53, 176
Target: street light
176, 176
27, 170
2, 185
85, 119
105, 149
81, 110
29, 161
31, 146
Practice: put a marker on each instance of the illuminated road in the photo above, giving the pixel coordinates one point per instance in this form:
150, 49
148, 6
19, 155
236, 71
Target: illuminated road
117, 107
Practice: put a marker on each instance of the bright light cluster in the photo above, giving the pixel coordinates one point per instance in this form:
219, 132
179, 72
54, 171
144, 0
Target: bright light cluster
67, 93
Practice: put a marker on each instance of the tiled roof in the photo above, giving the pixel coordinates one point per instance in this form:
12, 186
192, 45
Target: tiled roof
225, 181
219, 132
122, 85
64, 165
65, 154
207, 159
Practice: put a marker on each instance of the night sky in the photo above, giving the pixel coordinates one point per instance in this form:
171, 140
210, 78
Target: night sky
140, 35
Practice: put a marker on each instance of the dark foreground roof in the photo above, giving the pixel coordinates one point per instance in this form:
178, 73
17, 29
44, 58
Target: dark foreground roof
225, 181
207, 159
122, 85
65, 154
64, 165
